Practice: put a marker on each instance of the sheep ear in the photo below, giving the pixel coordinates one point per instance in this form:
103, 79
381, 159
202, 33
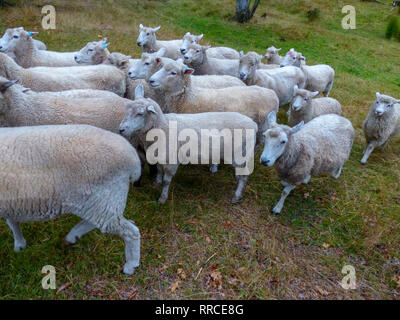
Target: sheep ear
396, 101
278, 49
187, 34
302, 58
140, 26
241, 53
188, 71
139, 92
200, 36
271, 118
297, 128
378, 95
156, 29
104, 40
296, 87
4, 86
315, 93
151, 109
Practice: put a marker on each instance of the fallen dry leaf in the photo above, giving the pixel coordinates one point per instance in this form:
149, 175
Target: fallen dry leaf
181, 273
174, 286
216, 279
326, 245
322, 292
133, 295
65, 286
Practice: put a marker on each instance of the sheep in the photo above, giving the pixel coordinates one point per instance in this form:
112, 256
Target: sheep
149, 43
50, 171
143, 115
174, 81
102, 77
319, 77
321, 146
152, 62
197, 58
10, 38
382, 123
27, 54
272, 56
305, 108
281, 80
215, 52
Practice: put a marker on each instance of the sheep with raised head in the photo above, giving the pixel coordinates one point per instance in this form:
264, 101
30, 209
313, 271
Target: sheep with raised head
50, 171
148, 41
196, 57
101, 77
11, 36
213, 52
382, 123
175, 82
321, 146
305, 108
272, 56
318, 77
238, 133
28, 55
281, 80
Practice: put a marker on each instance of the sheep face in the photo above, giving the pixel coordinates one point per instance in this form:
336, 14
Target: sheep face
302, 98
188, 40
171, 77
146, 35
275, 144
292, 58
140, 114
383, 104
248, 65
92, 52
118, 60
271, 53
195, 54
147, 64
10, 39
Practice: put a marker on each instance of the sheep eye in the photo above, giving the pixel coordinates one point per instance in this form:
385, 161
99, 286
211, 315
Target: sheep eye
173, 73
90, 50
197, 51
305, 99
147, 63
148, 34
15, 37
294, 58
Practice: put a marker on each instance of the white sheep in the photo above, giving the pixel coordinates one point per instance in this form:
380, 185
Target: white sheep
152, 62
28, 55
197, 58
321, 146
382, 123
318, 77
281, 80
10, 38
144, 115
149, 43
214, 52
272, 56
50, 171
101, 77
305, 108
175, 82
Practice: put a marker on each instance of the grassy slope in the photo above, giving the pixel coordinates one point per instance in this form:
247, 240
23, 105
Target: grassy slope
324, 226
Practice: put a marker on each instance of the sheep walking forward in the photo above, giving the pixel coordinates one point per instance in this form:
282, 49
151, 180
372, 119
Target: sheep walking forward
50, 171
321, 146
305, 108
382, 123
143, 115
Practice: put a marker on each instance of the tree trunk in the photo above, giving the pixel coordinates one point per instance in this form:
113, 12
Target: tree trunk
243, 11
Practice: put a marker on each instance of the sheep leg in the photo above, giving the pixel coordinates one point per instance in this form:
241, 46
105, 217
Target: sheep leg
241, 184
159, 177
130, 233
328, 89
336, 174
19, 240
286, 190
214, 168
368, 150
78, 231
164, 193
307, 179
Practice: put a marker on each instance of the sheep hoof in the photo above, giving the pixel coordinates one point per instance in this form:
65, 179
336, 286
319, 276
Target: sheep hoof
128, 269
162, 201
236, 200
275, 212
19, 247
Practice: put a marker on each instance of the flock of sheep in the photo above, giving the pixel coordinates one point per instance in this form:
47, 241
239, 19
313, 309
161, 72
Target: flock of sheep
75, 123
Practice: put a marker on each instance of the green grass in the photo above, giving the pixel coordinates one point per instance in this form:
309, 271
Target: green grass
324, 225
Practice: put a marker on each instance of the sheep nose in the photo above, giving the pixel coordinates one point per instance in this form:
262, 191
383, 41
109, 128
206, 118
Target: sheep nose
186, 57
281, 65
265, 162
242, 75
76, 58
183, 50
152, 81
129, 73
121, 130
138, 43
